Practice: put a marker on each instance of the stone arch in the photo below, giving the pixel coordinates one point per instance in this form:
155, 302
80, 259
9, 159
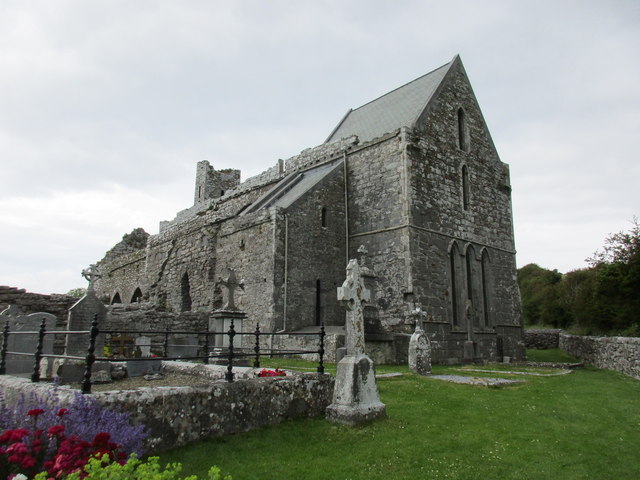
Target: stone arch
475, 292
137, 295
115, 298
487, 286
456, 283
185, 293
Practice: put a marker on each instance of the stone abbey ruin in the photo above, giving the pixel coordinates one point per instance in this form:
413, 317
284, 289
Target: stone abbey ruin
412, 176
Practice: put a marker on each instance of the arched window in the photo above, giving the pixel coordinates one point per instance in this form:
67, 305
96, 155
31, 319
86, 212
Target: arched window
456, 277
137, 296
463, 134
486, 286
116, 299
465, 187
185, 288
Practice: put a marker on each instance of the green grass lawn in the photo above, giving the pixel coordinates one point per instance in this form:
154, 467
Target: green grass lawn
584, 425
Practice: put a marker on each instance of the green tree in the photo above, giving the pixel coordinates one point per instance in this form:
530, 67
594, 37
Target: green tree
77, 292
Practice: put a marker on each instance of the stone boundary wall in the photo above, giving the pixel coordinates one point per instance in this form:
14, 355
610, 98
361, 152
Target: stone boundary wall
621, 354
542, 338
180, 415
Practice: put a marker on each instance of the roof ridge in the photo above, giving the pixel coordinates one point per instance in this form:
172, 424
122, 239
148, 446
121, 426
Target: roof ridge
401, 86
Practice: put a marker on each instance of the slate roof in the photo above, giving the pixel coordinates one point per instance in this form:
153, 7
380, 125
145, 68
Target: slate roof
399, 108
292, 187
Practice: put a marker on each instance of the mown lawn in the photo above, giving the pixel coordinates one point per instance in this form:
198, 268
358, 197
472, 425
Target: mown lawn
585, 425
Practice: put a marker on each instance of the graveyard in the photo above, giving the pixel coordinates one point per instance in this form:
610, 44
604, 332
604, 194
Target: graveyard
350, 418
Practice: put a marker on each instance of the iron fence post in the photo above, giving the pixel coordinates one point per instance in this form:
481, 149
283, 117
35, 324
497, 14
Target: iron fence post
35, 376
3, 353
256, 362
321, 350
206, 346
165, 346
91, 358
229, 375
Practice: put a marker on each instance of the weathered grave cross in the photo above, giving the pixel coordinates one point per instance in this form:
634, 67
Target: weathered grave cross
91, 274
353, 295
231, 283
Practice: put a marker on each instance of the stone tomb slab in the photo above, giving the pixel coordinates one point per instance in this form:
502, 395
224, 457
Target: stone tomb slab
480, 381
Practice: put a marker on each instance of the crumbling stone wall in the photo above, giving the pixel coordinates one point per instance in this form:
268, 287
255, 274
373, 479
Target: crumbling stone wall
27, 302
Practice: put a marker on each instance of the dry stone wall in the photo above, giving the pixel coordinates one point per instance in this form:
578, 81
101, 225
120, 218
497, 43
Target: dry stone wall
615, 353
542, 338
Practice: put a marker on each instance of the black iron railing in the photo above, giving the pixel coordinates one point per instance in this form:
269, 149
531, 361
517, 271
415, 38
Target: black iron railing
228, 354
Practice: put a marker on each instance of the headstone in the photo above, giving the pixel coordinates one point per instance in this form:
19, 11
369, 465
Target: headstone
355, 396
27, 342
183, 347
144, 344
81, 316
419, 352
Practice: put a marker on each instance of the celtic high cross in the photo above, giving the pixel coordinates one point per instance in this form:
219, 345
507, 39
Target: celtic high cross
232, 284
353, 295
91, 274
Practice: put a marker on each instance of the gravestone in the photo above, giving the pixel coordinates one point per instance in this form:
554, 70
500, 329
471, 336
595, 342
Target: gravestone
143, 344
81, 316
27, 342
183, 347
355, 396
419, 352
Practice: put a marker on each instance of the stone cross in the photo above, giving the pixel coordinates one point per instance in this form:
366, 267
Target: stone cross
91, 274
353, 295
232, 284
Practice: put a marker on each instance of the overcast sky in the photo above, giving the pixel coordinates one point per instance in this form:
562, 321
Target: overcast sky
107, 106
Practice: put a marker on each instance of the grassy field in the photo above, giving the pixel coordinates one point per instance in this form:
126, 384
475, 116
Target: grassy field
584, 425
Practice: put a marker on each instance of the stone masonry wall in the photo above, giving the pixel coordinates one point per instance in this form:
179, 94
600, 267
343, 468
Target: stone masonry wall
615, 353
316, 254
542, 338
181, 415
28, 302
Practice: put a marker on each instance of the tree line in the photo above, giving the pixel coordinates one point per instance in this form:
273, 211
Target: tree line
601, 299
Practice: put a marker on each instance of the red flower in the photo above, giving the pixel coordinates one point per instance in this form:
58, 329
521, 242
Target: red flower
35, 412
13, 435
62, 411
101, 439
56, 430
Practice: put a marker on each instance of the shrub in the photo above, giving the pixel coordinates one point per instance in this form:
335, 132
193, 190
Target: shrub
134, 469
